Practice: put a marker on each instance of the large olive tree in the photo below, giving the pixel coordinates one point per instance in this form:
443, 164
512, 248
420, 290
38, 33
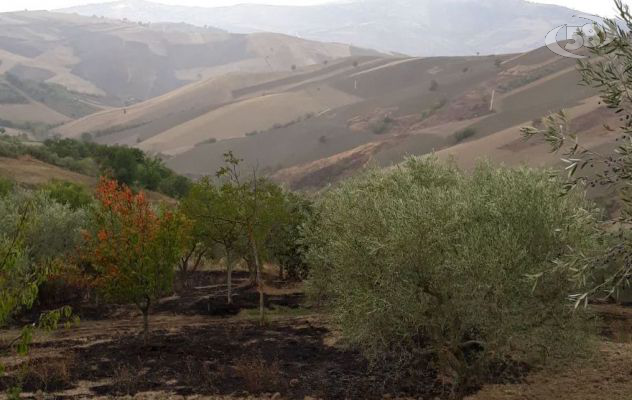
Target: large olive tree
425, 263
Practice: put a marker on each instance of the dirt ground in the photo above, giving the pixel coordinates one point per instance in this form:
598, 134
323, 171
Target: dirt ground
202, 349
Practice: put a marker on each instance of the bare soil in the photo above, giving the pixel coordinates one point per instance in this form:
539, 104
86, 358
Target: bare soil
202, 348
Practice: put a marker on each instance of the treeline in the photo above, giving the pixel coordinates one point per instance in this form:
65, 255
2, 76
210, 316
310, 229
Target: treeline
127, 165
115, 245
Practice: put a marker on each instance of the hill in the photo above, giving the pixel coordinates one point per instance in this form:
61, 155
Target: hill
415, 27
30, 172
52, 71
316, 125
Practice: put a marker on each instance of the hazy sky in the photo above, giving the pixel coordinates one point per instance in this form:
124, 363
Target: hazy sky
602, 7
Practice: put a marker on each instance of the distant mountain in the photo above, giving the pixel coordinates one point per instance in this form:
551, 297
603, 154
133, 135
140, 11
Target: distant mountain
415, 27
56, 66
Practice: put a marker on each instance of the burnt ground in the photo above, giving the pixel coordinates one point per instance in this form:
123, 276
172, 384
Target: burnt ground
289, 358
199, 346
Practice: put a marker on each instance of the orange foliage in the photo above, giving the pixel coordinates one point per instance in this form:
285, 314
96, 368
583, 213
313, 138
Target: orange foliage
127, 225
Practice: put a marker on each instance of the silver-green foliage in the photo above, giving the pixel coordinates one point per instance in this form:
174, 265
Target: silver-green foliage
426, 261
36, 236
608, 70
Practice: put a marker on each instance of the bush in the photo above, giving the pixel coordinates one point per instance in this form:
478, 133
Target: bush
70, 194
382, 126
6, 186
38, 237
51, 374
258, 375
425, 264
464, 134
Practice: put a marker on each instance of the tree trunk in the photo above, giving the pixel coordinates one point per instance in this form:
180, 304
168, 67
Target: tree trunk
229, 280
255, 255
281, 272
145, 327
252, 271
145, 311
184, 267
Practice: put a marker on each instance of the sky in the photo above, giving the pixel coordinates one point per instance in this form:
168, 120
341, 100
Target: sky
600, 7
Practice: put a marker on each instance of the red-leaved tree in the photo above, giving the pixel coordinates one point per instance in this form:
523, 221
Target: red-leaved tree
133, 247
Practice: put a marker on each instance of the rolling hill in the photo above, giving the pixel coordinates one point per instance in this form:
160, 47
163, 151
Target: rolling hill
55, 67
306, 114
317, 125
414, 27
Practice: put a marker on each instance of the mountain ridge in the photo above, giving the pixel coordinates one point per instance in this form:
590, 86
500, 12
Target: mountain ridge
416, 28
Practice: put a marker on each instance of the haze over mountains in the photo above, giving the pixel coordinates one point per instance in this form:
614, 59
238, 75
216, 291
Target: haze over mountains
413, 27
307, 113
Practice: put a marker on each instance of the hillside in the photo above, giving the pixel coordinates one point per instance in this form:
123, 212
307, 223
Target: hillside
317, 125
414, 27
30, 172
51, 71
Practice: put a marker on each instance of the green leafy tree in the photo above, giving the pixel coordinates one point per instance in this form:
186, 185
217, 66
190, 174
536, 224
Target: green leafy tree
259, 208
36, 238
71, 194
214, 210
193, 249
176, 186
6, 186
609, 71
284, 243
424, 264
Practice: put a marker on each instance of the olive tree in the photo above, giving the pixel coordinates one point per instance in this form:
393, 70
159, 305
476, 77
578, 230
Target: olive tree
424, 263
609, 70
37, 235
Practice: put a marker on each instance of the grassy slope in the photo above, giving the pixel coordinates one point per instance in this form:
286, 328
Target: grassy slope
348, 100
400, 87
29, 172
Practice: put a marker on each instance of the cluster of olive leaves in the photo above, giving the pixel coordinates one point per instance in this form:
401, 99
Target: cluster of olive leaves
609, 70
19, 287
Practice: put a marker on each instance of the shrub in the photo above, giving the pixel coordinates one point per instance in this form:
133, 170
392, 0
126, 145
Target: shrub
434, 86
464, 134
208, 141
51, 374
125, 379
6, 186
258, 375
425, 262
37, 236
382, 126
433, 109
70, 194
